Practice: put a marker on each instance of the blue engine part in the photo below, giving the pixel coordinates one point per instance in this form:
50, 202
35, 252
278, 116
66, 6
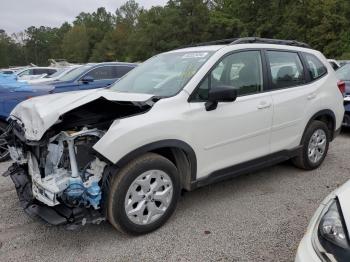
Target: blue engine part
78, 194
93, 195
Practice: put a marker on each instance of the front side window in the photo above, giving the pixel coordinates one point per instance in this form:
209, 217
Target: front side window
286, 69
315, 66
163, 75
73, 74
241, 71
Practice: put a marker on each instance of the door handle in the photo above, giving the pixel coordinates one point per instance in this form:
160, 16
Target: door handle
311, 96
264, 105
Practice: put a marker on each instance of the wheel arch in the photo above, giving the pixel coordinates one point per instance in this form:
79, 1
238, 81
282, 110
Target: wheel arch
178, 152
328, 117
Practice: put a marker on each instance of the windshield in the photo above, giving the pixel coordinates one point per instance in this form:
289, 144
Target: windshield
163, 75
72, 75
343, 73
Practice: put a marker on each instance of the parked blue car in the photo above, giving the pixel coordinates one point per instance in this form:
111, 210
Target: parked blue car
85, 77
343, 74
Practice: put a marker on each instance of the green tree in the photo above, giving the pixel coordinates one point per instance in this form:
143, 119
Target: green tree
75, 44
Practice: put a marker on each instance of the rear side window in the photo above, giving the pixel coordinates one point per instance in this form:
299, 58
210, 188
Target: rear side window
286, 69
315, 66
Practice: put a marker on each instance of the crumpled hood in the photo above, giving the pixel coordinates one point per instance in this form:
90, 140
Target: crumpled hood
40, 113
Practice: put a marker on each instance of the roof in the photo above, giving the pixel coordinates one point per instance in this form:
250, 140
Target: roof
217, 44
115, 63
199, 48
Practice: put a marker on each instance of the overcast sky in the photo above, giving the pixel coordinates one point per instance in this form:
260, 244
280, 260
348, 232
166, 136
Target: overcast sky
17, 15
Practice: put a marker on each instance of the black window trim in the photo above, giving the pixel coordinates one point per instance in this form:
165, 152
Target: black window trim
80, 78
305, 72
303, 55
263, 66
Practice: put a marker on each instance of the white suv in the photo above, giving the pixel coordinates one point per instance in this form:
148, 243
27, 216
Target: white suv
181, 120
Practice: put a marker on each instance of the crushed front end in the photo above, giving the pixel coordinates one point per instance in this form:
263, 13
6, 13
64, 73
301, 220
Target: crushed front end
60, 177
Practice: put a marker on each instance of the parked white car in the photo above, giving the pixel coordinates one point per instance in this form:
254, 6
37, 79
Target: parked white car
327, 236
48, 78
35, 72
181, 120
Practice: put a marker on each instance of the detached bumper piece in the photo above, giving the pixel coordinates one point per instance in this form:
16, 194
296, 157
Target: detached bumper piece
57, 215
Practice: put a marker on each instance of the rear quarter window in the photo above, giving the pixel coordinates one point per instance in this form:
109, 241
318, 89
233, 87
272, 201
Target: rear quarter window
315, 67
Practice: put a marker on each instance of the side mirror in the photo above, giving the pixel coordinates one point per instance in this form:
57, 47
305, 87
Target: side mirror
87, 79
220, 94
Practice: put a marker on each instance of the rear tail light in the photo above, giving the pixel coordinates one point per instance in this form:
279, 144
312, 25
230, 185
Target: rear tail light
341, 86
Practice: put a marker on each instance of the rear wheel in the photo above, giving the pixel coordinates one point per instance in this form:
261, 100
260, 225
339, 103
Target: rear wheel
4, 153
143, 195
315, 143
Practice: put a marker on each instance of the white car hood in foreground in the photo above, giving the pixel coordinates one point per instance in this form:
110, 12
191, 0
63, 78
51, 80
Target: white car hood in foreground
40, 113
343, 194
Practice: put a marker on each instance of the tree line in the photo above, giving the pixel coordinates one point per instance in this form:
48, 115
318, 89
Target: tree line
133, 33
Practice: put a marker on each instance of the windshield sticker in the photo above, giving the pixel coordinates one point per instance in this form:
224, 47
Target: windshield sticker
195, 55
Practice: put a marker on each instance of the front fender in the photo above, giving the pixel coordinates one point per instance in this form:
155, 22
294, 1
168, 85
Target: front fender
127, 135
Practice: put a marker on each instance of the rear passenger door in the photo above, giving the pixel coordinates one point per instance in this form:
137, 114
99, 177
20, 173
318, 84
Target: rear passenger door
288, 78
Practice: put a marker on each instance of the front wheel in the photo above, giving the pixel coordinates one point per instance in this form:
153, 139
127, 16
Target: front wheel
4, 153
143, 195
315, 143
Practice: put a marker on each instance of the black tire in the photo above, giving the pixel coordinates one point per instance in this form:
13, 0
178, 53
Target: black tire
302, 160
119, 187
4, 154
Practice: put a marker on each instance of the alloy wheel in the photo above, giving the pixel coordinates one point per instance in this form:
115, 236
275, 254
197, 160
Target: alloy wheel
148, 197
317, 146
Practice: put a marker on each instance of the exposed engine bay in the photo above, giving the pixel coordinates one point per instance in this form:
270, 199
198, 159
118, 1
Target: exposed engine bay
65, 173
61, 178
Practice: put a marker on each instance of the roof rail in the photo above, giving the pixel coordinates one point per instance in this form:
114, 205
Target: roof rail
249, 40
216, 42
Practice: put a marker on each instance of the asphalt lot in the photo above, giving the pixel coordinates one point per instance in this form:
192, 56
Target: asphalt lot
257, 217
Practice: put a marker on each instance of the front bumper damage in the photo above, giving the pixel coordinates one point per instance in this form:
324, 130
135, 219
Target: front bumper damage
59, 180
57, 215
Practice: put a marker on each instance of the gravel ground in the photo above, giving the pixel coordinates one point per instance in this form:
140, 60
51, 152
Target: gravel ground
257, 217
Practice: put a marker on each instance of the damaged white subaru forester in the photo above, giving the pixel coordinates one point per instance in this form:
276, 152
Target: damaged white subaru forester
181, 120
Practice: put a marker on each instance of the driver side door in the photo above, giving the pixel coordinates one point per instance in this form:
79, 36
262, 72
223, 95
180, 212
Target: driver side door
235, 132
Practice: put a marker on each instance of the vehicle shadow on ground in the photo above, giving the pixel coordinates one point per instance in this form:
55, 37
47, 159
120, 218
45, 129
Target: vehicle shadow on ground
257, 182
